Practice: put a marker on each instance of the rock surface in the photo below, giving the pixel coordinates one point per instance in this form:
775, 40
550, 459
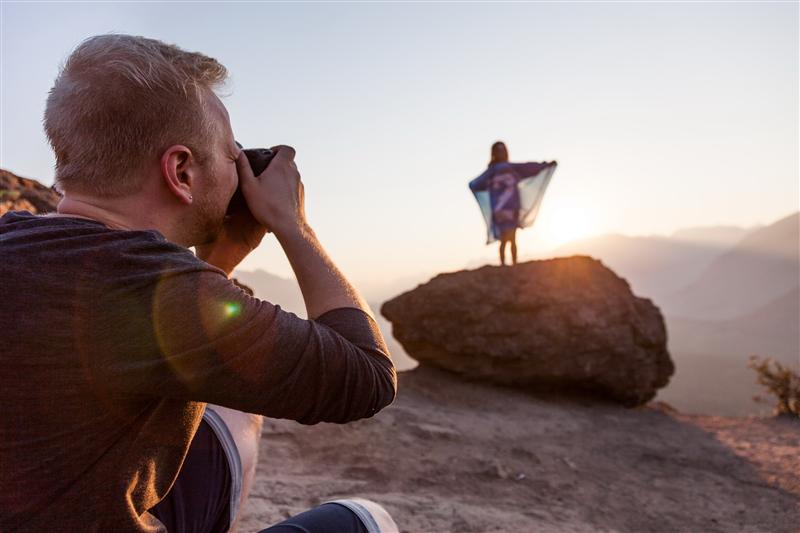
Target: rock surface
23, 194
452, 456
564, 324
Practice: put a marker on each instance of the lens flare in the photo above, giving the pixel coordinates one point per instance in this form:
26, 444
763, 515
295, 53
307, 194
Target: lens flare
232, 309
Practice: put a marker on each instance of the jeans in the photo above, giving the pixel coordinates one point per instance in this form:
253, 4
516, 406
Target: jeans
205, 497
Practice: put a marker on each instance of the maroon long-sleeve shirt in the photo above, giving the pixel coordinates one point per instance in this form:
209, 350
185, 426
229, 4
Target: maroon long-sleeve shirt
112, 341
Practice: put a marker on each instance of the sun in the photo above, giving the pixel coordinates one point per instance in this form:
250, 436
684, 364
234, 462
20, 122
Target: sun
562, 224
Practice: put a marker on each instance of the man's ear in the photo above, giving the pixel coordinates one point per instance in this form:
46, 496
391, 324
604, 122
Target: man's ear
178, 168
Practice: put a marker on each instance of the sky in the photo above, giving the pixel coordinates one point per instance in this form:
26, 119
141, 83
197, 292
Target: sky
661, 115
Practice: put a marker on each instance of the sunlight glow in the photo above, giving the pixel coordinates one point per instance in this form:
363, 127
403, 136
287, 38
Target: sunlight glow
564, 224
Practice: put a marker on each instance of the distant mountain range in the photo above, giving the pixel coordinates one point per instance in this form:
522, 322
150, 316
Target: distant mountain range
759, 269
705, 273
274, 289
724, 236
727, 293
711, 357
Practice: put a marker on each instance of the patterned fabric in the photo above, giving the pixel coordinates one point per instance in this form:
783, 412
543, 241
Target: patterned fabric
505, 206
509, 195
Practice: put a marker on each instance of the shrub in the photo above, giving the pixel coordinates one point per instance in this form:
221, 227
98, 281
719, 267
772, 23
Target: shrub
781, 382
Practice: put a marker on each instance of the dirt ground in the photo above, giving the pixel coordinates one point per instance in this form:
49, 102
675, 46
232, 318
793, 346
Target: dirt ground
454, 456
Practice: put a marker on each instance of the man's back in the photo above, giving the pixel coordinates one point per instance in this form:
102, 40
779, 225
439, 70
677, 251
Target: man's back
64, 436
113, 338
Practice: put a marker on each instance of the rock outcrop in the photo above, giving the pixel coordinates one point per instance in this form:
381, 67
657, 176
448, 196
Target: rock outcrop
23, 194
564, 324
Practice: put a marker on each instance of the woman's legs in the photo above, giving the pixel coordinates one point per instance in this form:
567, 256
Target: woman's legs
508, 236
513, 239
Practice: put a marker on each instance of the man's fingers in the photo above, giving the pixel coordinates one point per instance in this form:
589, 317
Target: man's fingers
284, 152
243, 167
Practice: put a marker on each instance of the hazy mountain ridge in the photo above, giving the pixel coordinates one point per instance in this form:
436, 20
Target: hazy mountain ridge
770, 329
762, 267
737, 283
274, 289
721, 235
655, 266
717, 272
735, 301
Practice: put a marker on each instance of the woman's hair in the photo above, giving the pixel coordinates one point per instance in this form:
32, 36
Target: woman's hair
118, 101
497, 155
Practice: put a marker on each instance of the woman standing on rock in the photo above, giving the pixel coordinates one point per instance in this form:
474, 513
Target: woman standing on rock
509, 195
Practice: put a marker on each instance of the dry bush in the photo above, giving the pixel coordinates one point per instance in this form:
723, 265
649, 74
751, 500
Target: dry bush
781, 382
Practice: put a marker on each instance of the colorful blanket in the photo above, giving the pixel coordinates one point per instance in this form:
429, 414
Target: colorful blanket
509, 195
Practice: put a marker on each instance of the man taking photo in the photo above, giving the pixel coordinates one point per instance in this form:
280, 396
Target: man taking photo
134, 371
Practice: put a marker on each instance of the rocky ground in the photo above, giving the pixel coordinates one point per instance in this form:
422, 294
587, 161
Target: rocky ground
23, 194
450, 455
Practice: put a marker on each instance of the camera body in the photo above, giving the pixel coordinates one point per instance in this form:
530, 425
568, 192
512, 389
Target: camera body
259, 158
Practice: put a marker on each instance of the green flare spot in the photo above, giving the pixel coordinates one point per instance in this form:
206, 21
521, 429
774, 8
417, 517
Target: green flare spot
232, 309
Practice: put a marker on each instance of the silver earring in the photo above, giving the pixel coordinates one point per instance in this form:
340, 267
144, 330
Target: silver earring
191, 197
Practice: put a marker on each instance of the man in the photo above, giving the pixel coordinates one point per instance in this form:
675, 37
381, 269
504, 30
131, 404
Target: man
117, 336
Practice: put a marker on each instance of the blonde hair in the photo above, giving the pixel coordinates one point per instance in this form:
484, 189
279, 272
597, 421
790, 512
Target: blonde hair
119, 101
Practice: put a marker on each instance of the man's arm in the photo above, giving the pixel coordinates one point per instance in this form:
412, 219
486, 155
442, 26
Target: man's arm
191, 335
323, 286
276, 200
209, 341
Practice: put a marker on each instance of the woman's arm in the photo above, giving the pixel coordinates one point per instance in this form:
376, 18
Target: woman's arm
527, 170
481, 183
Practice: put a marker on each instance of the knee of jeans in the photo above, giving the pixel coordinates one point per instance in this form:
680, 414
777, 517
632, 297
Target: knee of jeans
375, 518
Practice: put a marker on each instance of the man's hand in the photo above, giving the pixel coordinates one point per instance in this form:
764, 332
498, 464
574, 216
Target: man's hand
241, 234
274, 202
276, 196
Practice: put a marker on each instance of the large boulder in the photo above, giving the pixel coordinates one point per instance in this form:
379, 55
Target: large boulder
566, 323
23, 194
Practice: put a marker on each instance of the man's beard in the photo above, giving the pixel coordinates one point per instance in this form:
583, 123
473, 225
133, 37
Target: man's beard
208, 222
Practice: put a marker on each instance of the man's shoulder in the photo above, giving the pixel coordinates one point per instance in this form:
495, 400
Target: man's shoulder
121, 250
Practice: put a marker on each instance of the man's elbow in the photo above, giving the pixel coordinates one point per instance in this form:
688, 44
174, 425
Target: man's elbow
388, 387
384, 390
377, 390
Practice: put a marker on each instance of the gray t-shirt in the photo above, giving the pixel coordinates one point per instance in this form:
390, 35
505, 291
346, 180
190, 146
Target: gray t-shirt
111, 343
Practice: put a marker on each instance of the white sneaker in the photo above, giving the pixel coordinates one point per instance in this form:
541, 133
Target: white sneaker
374, 517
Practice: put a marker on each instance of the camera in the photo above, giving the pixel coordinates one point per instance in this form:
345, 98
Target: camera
259, 158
